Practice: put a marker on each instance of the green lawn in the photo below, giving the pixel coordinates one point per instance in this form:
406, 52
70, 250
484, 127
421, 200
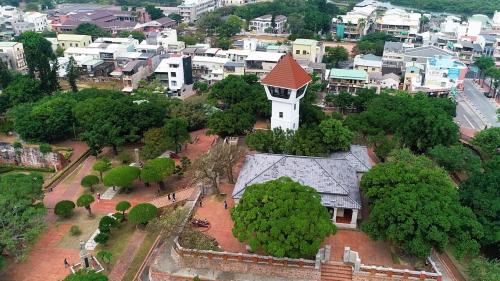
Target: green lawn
140, 256
117, 243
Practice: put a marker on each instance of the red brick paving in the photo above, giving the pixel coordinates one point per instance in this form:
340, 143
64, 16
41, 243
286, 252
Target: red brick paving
220, 220
370, 252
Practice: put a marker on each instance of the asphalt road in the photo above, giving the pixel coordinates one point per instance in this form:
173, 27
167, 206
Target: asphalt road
474, 110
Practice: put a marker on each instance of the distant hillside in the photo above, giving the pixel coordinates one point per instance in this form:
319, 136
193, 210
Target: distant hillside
467, 7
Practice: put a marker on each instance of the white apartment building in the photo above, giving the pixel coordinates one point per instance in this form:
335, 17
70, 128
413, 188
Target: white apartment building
191, 10
208, 69
166, 38
355, 24
174, 73
237, 55
308, 49
13, 13
12, 54
263, 24
399, 23
368, 63
496, 53
80, 51
38, 19
261, 63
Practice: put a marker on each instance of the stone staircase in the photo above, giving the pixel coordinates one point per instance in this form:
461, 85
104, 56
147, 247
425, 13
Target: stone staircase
332, 271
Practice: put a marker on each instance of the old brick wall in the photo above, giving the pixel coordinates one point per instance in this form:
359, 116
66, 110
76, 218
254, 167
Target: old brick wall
367, 276
307, 273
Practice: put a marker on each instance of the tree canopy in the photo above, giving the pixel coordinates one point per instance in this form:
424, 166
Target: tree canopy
455, 158
156, 170
283, 218
415, 204
92, 30
86, 275
142, 213
122, 176
21, 212
176, 132
373, 43
488, 141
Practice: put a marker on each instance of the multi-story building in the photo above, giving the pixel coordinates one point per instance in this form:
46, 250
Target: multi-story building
399, 23
393, 57
368, 63
66, 41
191, 10
234, 68
174, 73
422, 54
166, 38
264, 24
261, 63
208, 69
12, 54
109, 19
307, 49
355, 24
38, 19
349, 80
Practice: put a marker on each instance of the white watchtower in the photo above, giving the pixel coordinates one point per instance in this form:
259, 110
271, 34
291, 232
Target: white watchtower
285, 85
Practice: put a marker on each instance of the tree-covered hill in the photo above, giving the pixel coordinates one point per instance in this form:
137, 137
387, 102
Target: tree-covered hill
466, 7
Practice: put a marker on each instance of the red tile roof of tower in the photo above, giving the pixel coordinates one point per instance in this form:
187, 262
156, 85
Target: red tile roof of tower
287, 74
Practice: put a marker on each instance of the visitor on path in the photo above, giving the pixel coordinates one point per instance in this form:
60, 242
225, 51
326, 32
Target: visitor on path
225, 204
173, 196
168, 196
201, 203
66, 263
98, 197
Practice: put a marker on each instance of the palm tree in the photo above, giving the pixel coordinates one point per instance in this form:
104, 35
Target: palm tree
361, 27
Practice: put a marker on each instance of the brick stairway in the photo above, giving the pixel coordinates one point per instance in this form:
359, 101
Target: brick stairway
336, 272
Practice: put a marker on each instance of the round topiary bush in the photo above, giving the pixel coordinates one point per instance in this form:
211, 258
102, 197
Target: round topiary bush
101, 238
106, 223
142, 213
75, 230
64, 208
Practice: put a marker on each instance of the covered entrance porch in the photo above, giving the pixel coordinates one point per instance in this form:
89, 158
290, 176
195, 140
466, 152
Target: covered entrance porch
344, 218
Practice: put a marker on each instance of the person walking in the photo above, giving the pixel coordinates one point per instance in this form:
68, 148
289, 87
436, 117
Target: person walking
168, 196
98, 197
173, 196
66, 263
225, 204
201, 203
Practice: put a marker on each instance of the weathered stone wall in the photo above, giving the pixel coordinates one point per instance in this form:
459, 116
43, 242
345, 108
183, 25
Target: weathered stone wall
256, 268
30, 157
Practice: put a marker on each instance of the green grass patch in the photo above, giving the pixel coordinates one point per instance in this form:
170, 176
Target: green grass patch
117, 243
140, 256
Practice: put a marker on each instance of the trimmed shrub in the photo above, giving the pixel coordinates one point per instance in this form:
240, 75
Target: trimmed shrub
143, 213
102, 238
75, 230
64, 208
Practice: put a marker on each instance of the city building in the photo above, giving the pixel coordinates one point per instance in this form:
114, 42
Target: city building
496, 52
133, 72
264, 24
39, 20
81, 51
335, 178
261, 63
208, 69
422, 54
234, 68
368, 63
285, 86
307, 49
393, 56
349, 80
12, 54
355, 24
158, 24
399, 23
66, 41
174, 73
191, 10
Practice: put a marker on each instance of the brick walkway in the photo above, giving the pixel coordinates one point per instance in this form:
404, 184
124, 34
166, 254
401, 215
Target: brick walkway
126, 258
181, 195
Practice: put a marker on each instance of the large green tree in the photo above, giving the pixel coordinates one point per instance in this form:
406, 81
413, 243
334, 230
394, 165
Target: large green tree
47, 120
481, 269
73, 74
92, 30
455, 158
231, 122
155, 143
176, 132
283, 218
373, 43
156, 170
122, 176
488, 141
335, 136
483, 64
38, 53
481, 193
142, 213
155, 13
21, 212
415, 204
334, 55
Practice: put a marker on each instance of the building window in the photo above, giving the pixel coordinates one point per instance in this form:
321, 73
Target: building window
413, 59
295, 107
297, 52
281, 115
304, 52
71, 44
174, 83
76, 44
173, 74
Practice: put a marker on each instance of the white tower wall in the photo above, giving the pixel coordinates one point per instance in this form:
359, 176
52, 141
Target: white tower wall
285, 115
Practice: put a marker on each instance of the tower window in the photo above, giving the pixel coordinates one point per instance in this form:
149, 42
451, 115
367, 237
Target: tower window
295, 107
281, 114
